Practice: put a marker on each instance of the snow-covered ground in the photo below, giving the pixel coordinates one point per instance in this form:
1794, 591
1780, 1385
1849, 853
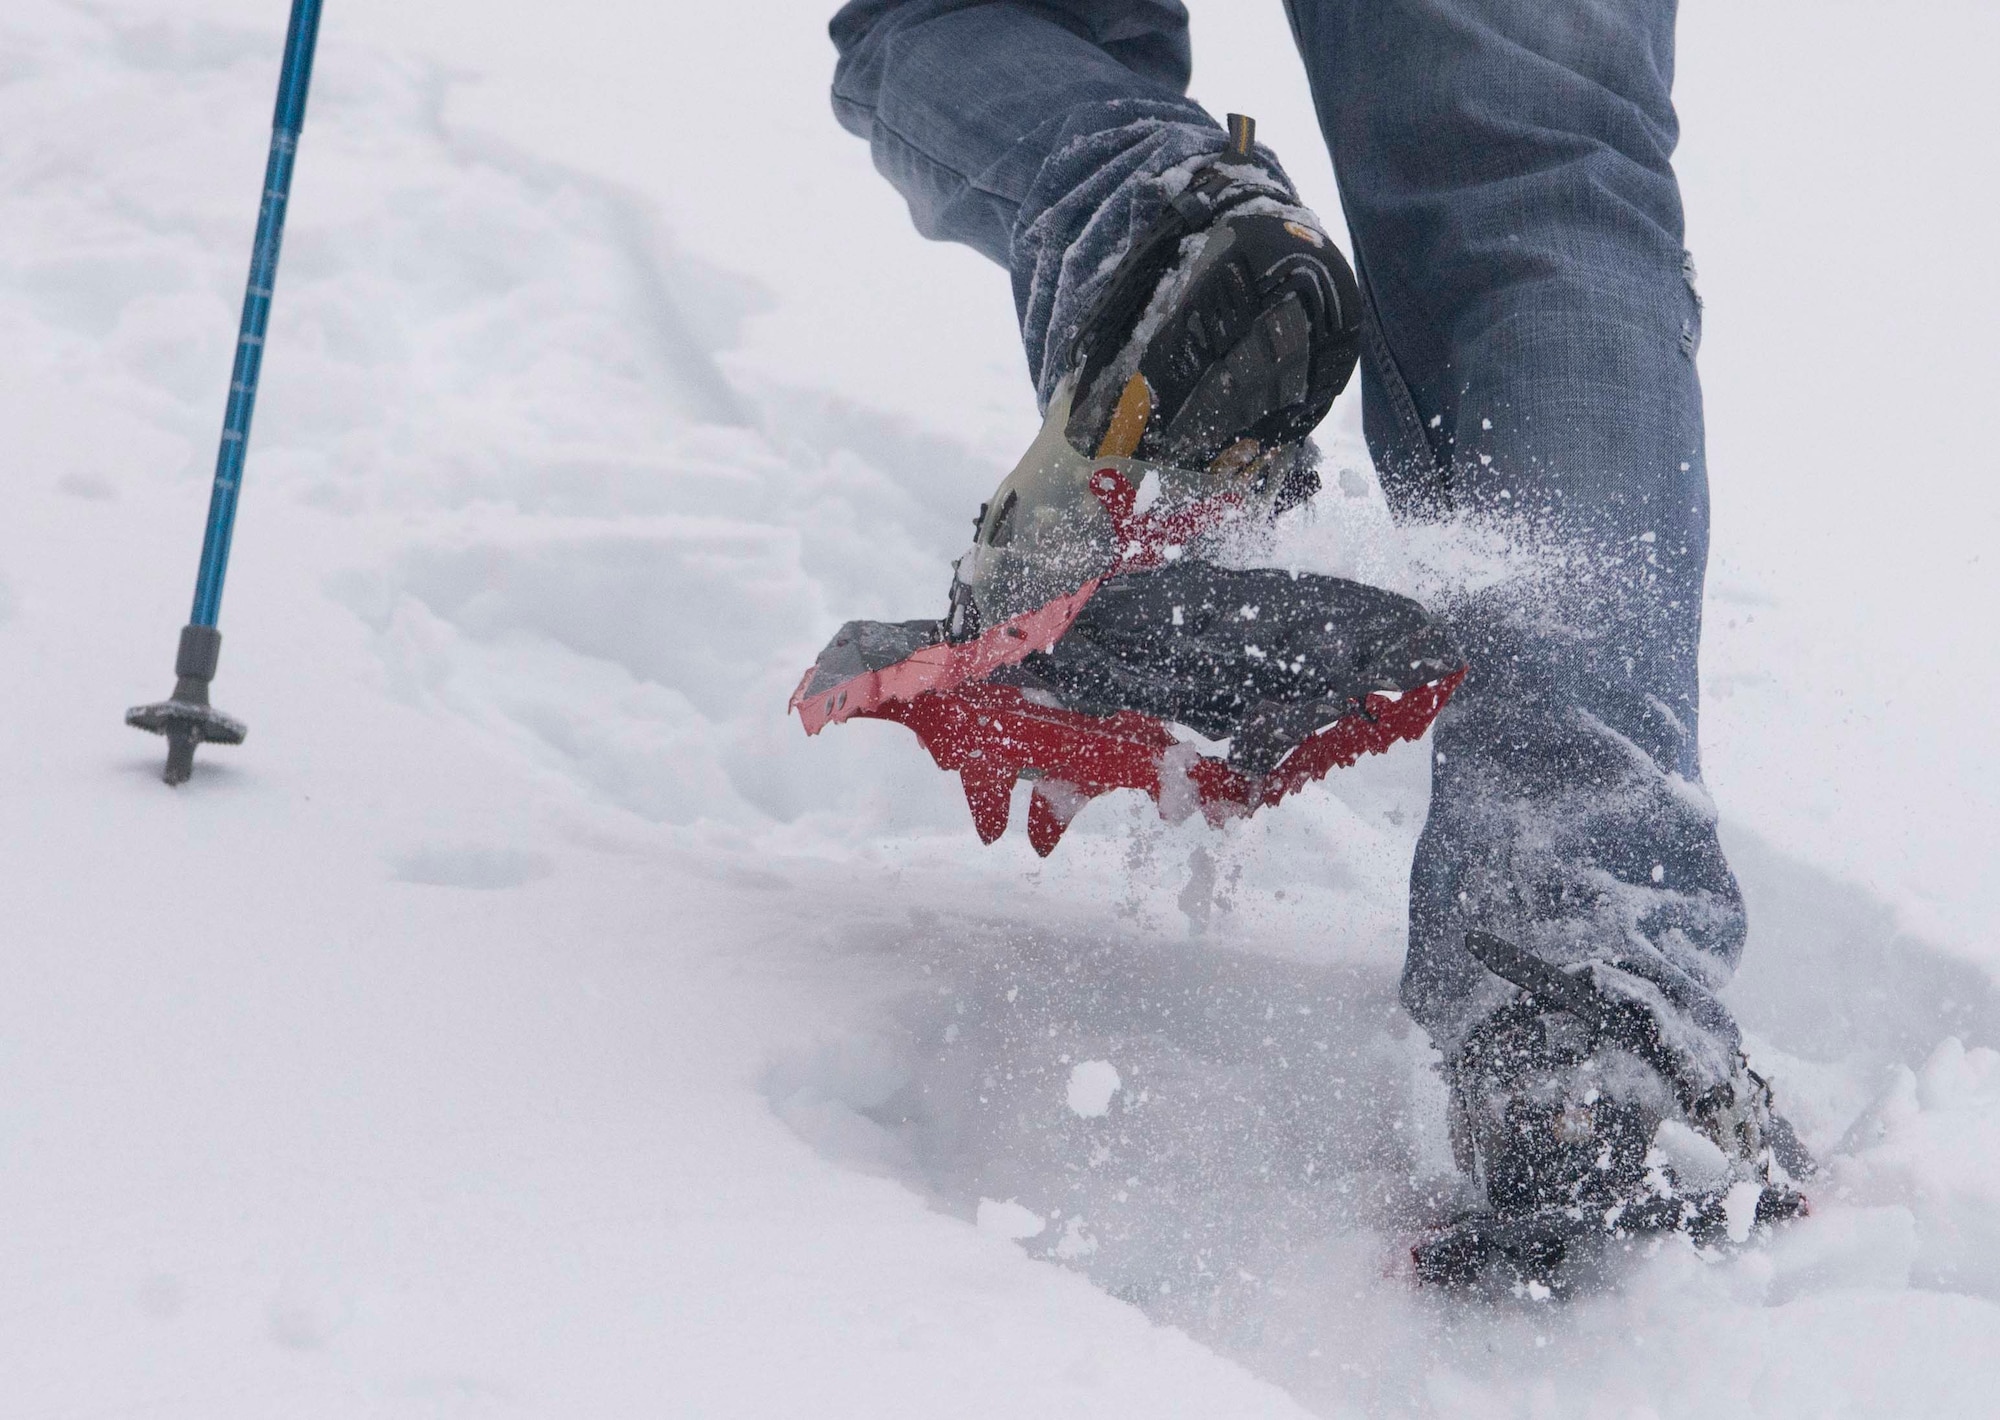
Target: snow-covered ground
528, 1020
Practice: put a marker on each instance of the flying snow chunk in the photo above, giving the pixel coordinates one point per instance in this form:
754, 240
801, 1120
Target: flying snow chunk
1693, 1157
1093, 1084
1009, 1219
1075, 1242
1739, 1206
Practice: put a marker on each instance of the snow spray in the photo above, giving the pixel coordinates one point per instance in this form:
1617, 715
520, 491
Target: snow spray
187, 719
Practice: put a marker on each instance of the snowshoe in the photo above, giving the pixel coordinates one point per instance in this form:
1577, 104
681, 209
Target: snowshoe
1591, 1134
1087, 620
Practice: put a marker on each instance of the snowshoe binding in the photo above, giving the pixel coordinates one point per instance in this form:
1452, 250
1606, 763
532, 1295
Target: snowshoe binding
1085, 620
1591, 1135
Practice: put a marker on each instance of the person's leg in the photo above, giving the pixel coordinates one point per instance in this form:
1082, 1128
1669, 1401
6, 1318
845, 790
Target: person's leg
1046, 135
1530, 366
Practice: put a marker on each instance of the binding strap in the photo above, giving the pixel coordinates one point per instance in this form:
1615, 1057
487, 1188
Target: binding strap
1242, 134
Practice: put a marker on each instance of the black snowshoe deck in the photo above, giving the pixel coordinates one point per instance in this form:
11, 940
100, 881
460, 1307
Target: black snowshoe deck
1300, 674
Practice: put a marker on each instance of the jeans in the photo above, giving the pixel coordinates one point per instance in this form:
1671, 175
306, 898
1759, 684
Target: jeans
1528, 375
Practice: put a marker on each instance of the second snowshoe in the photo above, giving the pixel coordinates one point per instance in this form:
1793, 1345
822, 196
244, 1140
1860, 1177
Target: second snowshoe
1590, 1134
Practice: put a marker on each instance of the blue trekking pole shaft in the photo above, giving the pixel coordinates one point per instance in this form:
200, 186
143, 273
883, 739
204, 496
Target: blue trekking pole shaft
186, 718
289, 118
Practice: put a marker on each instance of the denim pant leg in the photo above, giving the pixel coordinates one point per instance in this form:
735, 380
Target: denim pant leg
1504, 164
1047, 134
1505, 170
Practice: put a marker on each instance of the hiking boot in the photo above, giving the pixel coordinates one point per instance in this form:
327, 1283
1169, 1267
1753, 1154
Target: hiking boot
1216, 347
1583, 1126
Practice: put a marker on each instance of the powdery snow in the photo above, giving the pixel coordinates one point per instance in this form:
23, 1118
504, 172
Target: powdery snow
528, 1020
1093, 1084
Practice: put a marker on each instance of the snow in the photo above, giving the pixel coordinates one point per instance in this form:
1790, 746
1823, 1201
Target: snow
1093, 1085
1008, 1220
528, 1020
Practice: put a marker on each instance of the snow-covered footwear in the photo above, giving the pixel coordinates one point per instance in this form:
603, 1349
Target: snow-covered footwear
1586, 1128
1214, 350
1237, 313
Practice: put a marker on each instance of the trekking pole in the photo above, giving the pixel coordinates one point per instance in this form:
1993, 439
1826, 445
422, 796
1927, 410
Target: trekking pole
187, 719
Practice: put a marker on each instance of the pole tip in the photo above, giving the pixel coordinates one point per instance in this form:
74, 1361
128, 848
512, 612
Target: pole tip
180, 757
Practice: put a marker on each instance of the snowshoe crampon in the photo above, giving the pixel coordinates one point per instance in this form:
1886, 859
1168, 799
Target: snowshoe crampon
1098, 688
1557, 1248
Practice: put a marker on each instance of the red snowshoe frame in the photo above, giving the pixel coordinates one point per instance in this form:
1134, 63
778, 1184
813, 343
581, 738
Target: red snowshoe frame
993, 735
